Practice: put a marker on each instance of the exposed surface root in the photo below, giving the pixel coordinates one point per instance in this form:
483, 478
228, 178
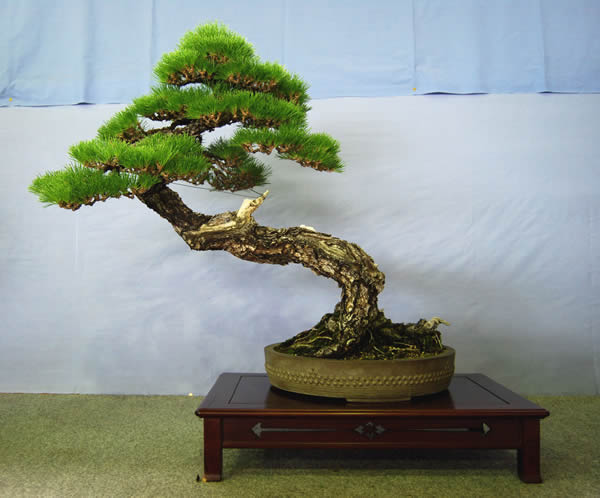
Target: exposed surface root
382, 339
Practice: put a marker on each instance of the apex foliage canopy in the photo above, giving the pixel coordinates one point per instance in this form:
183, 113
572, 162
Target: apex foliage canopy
212, 79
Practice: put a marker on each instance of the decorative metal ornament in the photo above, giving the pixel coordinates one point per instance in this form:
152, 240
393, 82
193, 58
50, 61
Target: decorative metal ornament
258, 429
370, 430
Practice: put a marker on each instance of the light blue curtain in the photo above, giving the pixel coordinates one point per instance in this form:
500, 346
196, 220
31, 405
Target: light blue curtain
102, 51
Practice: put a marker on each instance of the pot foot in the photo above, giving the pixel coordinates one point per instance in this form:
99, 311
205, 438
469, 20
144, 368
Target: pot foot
371, 400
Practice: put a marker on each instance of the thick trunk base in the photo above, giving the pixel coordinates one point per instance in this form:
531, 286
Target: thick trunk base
381, 339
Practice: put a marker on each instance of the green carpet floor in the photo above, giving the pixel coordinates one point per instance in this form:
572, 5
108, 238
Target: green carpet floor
86, 445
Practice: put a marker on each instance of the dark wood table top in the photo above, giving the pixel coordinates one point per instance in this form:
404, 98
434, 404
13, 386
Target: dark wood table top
248, 394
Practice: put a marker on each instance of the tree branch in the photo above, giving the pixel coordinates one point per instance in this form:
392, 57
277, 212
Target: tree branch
169, 205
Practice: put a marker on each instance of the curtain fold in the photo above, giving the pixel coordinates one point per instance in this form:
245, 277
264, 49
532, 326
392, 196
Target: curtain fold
68, 51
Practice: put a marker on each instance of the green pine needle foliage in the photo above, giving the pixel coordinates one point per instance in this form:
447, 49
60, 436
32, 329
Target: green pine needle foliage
216, 38
194, 103
185, 67
212, 79
234, 156
179, 155
76, 185
212, 54
317, 150
123, 120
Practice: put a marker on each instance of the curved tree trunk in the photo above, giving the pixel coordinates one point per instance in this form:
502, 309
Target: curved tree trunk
356, 317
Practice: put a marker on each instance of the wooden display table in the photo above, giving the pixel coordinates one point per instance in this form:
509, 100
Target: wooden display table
243, 410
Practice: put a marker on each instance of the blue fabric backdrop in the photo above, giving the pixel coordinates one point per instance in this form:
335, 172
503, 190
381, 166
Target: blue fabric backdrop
102, 51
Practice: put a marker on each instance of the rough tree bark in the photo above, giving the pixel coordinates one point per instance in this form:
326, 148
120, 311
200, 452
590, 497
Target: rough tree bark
356, 328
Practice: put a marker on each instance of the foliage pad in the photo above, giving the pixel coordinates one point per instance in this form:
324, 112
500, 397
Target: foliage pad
212, 79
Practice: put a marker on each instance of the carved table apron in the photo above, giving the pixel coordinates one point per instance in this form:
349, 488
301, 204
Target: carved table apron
243, 410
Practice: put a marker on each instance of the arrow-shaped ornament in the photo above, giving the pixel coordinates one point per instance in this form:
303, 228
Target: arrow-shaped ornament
258, 429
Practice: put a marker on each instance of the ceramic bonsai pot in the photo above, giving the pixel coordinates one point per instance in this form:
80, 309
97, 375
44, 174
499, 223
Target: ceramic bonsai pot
360, 380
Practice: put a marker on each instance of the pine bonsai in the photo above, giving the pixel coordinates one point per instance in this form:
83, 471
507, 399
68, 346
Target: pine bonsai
211, 80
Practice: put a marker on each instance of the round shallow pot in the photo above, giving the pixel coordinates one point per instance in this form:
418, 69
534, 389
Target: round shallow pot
360, 380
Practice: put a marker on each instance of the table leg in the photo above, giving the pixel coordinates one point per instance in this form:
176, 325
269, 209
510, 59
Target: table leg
528, 455
213, 449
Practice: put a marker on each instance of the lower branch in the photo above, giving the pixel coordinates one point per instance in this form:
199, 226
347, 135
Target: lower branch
169, 205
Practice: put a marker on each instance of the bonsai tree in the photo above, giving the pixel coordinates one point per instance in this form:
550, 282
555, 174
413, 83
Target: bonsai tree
214, 79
